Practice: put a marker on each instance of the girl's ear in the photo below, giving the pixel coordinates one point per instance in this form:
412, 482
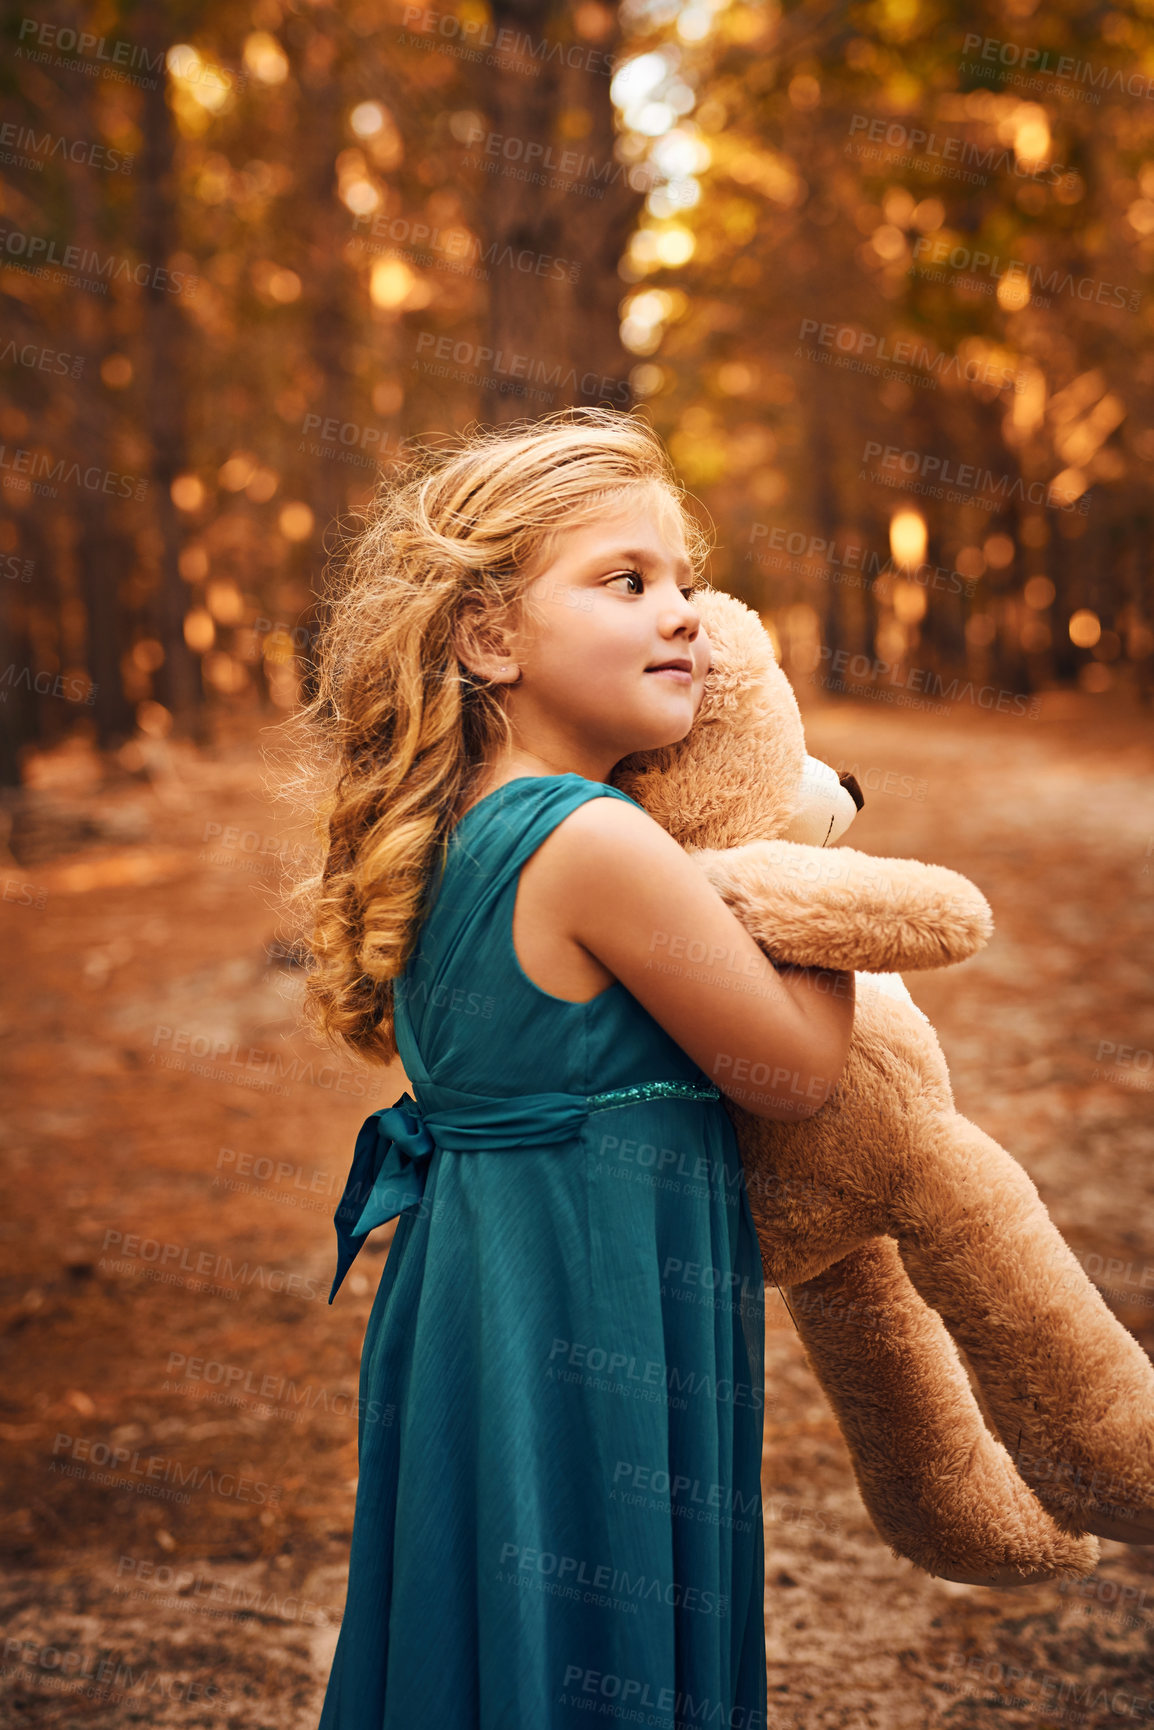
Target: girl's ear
481, 642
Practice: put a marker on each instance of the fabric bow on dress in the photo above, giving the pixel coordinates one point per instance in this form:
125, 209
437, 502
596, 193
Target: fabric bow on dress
390, 1163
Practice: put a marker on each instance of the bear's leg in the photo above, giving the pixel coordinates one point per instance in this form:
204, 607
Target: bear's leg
1069, 1389
939, 1488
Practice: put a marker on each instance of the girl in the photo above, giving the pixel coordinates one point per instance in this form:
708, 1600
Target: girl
558, 1511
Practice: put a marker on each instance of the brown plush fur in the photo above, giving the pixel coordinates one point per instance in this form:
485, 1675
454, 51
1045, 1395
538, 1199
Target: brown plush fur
897, 1230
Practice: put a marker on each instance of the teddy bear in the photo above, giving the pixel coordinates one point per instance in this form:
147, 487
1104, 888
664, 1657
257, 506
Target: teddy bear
897, 1230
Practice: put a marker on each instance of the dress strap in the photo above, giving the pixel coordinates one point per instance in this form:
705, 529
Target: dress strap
501, 830
474, 884
395, 1145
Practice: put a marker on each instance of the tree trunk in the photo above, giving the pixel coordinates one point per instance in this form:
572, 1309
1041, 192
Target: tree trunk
552, 251
103, 549
331, 328
826, 515
164, 334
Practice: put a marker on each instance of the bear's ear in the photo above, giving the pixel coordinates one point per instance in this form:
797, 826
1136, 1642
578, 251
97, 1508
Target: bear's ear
737, 774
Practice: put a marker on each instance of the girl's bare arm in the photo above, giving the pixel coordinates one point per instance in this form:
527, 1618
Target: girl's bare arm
774, 1040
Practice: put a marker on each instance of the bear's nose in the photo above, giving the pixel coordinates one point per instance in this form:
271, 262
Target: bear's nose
849, 782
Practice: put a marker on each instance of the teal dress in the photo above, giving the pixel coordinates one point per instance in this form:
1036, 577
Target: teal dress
558, 1514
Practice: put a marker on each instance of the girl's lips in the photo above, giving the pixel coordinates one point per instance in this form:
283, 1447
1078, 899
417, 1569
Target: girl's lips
677, 673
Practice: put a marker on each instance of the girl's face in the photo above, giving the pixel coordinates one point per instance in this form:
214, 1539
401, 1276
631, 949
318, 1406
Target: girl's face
609, 604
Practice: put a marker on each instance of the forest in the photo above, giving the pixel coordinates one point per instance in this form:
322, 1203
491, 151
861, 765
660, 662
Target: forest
879, 272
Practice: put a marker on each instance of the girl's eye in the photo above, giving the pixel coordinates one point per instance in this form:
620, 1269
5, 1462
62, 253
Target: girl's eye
686, 591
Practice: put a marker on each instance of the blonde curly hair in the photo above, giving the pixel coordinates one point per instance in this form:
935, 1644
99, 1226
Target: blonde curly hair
399, 730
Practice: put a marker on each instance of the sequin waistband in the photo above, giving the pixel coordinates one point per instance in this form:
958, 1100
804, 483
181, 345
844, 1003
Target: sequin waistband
650, 1090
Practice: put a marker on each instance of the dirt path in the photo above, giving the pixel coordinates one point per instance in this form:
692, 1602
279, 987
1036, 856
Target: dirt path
176, 1412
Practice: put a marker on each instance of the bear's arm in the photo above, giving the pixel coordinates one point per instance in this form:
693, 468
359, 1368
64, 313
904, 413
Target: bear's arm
835, 907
